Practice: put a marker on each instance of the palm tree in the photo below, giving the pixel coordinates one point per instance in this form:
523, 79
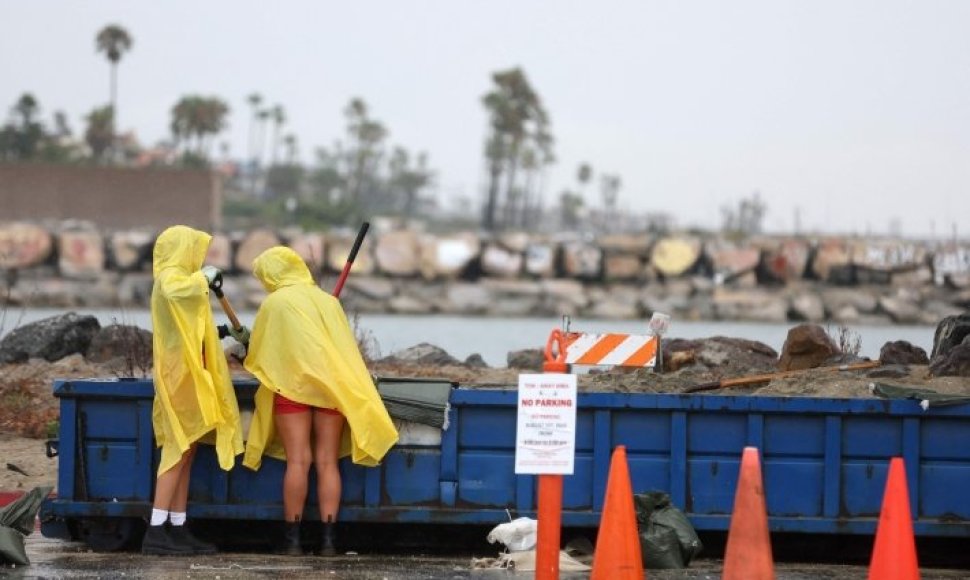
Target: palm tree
279, 118
262, 117
254, 100
517, 118
113, 41
98, 134
198, 117
291, 149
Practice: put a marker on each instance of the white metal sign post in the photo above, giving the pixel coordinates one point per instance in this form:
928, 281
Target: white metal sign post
545, 435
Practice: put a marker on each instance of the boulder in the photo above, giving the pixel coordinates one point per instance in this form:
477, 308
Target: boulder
618, 267
674, 256
130, 251
404, 304
430, 293
582, 260
900, 352
424, 354
731, 262
398, 253
902, 311
130, 345
635, 244
465, 298
864, 301
887, 255
515, 242
50, 338
24, 245
475, 361
309, 246
500, 261
614, 303
807, 346
832, 259
567, 291
940, 309
219, 254
371, 287
337, 248
530, 359
135, 289
749, 305
807, 306
448, 256
502, 287
950, 332
512, 297
540, 260
253, 244
730, 356
845, 314
921, 276
511, 306
80, 253
951, 265
784, 262
955, 363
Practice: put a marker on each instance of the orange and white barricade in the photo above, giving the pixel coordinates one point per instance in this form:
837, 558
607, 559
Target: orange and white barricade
621, 350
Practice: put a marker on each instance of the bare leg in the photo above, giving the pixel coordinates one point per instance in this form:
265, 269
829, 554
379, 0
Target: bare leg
166, 485
327, 429
294, 430
180, 500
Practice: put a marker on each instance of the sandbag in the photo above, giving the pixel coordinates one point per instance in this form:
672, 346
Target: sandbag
12, 547
667, 538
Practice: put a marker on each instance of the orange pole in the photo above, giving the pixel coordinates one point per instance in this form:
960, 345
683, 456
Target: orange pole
549, 525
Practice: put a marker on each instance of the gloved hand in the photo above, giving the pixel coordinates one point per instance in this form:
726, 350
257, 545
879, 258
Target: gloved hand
212, 274
241, 334
237, 351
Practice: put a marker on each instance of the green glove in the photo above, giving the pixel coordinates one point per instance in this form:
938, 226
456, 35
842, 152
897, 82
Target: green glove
241, 334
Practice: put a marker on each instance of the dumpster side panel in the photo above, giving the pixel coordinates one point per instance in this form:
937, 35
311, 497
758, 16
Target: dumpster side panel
824, 461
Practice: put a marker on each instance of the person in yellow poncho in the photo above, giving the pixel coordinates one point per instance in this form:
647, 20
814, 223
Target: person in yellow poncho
194, 397
316, 401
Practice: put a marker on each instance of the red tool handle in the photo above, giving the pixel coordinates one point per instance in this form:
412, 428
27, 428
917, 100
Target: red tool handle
350, 260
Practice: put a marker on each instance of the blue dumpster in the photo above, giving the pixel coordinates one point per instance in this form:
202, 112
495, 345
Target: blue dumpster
824, 462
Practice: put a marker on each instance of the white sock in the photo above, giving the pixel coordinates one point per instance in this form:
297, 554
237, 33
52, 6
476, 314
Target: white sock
159, 516
177, 518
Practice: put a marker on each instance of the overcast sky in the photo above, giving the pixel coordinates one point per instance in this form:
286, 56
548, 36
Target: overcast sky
853, 112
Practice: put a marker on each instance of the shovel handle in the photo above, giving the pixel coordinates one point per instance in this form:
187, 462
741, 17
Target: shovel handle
216, 287
350, 259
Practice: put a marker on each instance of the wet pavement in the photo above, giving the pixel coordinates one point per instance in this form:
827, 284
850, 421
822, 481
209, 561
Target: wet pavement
59, 559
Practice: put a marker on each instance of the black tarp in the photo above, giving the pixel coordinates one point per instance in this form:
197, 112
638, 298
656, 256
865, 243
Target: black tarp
419, 400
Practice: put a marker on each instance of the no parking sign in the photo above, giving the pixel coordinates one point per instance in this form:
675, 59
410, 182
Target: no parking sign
545, 435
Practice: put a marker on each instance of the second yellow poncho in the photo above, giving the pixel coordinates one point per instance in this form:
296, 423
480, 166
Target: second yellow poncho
303, 348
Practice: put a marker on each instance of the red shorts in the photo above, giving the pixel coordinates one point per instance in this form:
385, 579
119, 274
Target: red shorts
284, 406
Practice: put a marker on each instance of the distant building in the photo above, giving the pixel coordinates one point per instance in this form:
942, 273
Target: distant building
111, 197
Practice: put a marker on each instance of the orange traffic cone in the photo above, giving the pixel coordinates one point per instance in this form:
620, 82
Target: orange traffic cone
748, 552
617, 555
894, 554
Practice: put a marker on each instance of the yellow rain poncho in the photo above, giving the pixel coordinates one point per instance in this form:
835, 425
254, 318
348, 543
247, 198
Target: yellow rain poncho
303, 348
194, 398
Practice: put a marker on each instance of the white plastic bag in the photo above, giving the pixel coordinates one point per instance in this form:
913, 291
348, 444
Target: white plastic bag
518, 535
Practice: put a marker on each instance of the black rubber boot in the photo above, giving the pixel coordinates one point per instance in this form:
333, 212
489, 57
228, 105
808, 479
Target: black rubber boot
326, 541
183, 536
159, 542
291, 539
